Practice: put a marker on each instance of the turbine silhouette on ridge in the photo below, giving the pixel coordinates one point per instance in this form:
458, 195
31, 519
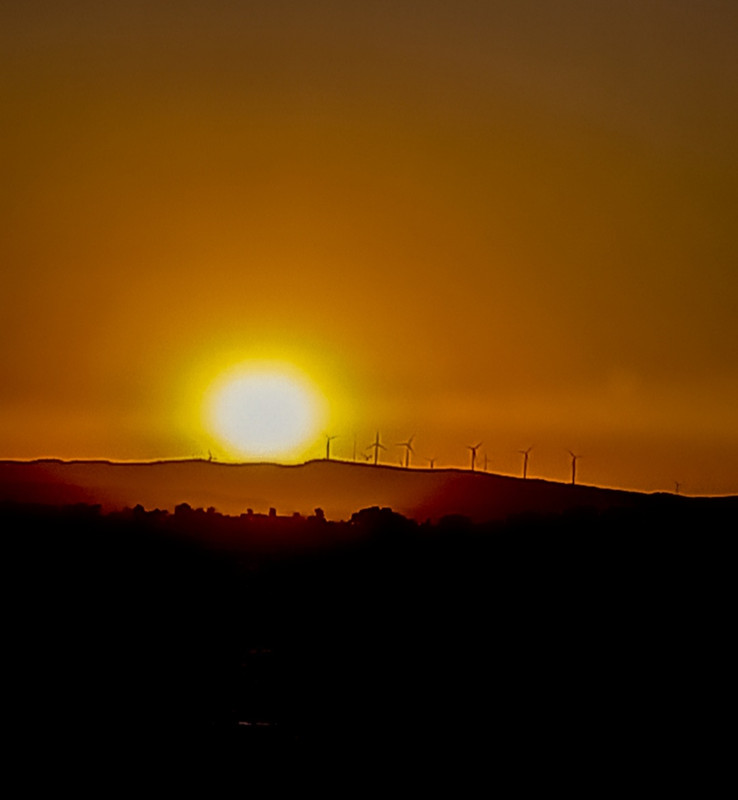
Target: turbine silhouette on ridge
573, 466
473, 449
525, 454
328, 440
376, 446
408, 445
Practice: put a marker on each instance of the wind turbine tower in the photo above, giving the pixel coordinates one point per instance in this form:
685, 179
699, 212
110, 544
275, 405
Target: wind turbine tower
328, 440
376, 446
408, 445
473, 449
431, 461
525, 454
573, 467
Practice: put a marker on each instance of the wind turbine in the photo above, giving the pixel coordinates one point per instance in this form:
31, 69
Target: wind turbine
677, 486
573, 466
377, 447
525, 460
431, 461
486, 461
328, 440
408, 445
473, 449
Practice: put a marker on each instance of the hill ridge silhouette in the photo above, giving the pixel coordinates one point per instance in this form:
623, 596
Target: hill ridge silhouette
338, 487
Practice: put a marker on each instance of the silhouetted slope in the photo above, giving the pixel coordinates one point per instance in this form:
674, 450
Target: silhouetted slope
581, 641
339, 488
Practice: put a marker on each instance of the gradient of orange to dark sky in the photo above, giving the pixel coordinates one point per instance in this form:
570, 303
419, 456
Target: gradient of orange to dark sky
514, 222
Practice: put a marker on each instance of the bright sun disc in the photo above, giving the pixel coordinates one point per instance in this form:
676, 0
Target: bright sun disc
264, 412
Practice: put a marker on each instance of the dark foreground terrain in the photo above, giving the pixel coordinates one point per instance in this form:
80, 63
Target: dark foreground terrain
582, 643
340, 487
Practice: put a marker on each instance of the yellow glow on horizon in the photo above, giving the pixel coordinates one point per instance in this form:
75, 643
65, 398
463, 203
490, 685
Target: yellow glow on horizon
264, 410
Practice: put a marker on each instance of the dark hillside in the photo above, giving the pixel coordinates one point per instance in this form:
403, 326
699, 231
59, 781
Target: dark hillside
587, 637
337, 487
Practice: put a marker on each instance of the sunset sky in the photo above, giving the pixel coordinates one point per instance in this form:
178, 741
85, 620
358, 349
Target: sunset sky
514, 222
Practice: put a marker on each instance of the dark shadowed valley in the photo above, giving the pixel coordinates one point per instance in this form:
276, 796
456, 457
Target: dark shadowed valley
585, 638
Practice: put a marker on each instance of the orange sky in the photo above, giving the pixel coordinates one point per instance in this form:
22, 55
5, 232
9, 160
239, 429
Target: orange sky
513, 222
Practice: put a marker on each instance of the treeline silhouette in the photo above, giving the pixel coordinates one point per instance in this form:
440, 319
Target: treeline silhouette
597, 636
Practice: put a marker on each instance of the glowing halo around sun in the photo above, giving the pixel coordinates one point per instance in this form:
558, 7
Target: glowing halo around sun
264, 411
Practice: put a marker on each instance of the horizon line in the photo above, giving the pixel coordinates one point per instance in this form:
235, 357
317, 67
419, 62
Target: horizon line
345, 462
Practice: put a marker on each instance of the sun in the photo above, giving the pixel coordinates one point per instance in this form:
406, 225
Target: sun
264, 411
